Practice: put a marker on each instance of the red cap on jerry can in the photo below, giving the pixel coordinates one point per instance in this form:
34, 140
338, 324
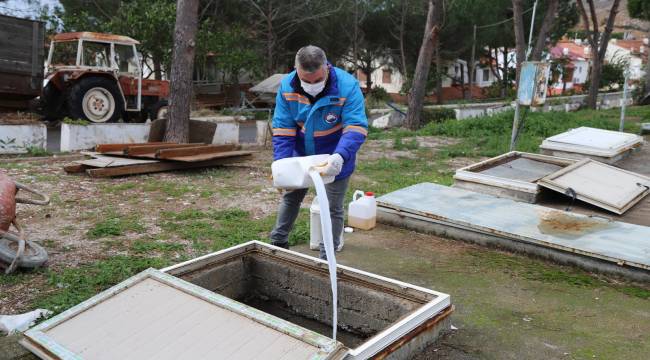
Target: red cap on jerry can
370, 193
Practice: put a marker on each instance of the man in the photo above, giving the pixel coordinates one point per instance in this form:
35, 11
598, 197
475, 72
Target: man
319, 110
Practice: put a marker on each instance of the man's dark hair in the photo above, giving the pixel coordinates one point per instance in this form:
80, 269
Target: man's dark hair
310, 58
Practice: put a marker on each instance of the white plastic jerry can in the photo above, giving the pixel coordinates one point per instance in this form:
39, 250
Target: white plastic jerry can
315, 231
293, 172
362, 211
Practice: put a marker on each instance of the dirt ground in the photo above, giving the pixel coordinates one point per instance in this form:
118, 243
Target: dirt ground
508, 306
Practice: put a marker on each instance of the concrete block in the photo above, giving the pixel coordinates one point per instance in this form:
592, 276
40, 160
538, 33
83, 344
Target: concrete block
16, 139
390, 120
81, 137
645, 128
467, 113
263, 134
227, 133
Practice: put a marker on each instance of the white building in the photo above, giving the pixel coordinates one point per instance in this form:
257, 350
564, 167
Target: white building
635, 52
574, 57
390, 78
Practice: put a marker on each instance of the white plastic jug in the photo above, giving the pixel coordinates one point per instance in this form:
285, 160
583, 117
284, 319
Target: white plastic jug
315, 231
362, 211
293, 173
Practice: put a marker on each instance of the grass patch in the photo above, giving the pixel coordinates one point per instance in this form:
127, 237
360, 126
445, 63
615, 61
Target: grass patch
37, 151
215, 230
490, 135
118, 188
75, 285
145, 246
399, 144
537, 270
168, 188
385, 175
115, 225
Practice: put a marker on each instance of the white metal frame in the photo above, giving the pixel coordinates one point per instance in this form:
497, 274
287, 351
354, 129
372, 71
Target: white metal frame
549, 182
552, 144
468, 173
436, 304
37, 340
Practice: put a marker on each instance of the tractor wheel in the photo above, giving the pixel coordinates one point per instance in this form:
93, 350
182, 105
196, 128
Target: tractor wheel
159, 110
95, 99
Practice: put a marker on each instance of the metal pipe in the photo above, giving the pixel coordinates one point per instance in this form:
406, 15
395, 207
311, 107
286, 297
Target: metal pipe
45, 199
530, 33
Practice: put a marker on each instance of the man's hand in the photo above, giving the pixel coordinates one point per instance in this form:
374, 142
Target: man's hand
332, 167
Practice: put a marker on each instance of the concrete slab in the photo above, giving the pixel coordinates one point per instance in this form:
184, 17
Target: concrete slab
17, 139
83, 137
594, 243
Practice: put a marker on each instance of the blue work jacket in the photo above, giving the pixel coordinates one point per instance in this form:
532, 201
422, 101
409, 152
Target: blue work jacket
334, 123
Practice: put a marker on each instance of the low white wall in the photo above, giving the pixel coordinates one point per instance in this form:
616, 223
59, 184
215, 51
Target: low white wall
82, 137
263, 133
16, 139
226, 133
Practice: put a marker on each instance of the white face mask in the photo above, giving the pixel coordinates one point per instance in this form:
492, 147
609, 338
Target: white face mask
313, 89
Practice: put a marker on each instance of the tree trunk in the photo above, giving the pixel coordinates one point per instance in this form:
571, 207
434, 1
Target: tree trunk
549, 18
647, 71
520, 37
402, 30
462, 81
178, 125
439, 69
157, 69
598, 42
418, 88
368, 79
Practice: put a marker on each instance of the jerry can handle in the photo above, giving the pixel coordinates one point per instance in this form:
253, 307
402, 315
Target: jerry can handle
359, 193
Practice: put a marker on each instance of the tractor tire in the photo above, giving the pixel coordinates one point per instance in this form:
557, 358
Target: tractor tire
159, 110
95, 99
34, 256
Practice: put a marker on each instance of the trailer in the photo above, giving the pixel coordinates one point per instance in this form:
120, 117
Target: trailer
22, 53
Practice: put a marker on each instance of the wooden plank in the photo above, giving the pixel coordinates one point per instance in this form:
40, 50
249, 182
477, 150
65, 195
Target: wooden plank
205, 149
74, 168
103, 148
210, 156
160, 166
148, 149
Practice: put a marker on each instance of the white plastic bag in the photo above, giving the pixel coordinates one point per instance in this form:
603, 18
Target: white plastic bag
19, 323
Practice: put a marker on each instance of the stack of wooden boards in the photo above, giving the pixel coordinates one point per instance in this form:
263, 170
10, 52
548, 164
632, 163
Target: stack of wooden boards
140, 158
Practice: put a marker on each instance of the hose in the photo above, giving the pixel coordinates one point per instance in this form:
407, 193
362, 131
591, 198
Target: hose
45, 199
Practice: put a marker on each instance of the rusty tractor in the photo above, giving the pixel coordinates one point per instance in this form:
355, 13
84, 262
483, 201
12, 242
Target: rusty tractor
98, 77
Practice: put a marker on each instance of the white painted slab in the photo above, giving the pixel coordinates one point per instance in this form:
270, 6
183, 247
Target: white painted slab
617, 242
157, 316
17, 139
602, 185
226, 133
82, 137
591, 141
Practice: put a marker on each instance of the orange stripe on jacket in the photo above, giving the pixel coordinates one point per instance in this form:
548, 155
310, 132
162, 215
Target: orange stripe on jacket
284, 132
327, 132
296, 97
355, 128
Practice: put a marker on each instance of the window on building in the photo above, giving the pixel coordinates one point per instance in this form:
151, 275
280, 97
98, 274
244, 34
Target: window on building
486, 74
575, 80
579, 69
386, 76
